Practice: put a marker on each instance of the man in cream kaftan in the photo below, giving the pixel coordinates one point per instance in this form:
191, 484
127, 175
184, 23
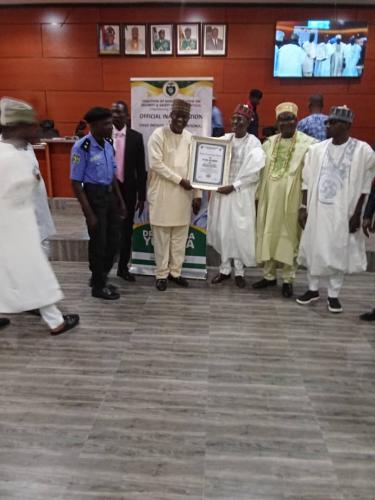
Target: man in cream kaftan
231, 210
337, 175
26, 277
170, 194
279, 197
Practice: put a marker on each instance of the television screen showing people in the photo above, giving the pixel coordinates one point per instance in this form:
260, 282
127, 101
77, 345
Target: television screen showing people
318, 49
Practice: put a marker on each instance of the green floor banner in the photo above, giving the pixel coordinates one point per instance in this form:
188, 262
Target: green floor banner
143, 261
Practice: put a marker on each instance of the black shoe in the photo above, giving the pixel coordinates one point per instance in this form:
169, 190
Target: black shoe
334, 305
180, 281
4, 322
126, 275
263, 283
113, 288
308, 297
219, 278
240, 281
105, 293
368, 316
287, 290
161, 285
33, 312
70, 321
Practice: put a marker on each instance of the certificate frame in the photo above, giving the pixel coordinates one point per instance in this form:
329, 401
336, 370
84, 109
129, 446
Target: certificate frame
218, 153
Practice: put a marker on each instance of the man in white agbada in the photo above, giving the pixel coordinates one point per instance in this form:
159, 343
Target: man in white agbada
337, 58
26, 277
170, 195
352, 55
310, 48
324, 51
231, 210
291, 58
336, 178
43, 215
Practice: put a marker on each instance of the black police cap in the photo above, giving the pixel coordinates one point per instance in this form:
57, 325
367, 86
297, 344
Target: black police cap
97, 114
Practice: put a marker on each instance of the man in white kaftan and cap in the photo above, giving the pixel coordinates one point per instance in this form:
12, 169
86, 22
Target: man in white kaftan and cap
324, 51
337, 176
352, 55
337, 58
26, 277
310, 49
231, 210
170, 195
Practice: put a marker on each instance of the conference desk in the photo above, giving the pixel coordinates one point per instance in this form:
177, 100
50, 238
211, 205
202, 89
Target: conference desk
54, 161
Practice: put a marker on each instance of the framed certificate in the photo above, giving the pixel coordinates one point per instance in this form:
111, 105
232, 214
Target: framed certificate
209, 162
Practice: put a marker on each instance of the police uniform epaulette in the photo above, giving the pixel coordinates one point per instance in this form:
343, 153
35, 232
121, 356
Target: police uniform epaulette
110, 140
86, 145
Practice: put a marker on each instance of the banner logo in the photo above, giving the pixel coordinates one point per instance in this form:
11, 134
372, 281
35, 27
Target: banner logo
170, 89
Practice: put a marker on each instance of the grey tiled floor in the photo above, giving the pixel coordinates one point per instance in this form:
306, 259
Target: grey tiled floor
205, 393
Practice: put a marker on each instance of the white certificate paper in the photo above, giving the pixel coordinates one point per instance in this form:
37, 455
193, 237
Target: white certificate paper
209, 164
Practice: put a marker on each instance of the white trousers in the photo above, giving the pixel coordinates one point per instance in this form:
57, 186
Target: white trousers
335, 282
169, 247
226, 267
52, 316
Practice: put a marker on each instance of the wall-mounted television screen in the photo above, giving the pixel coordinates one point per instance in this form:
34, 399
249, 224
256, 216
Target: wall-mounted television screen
315, 49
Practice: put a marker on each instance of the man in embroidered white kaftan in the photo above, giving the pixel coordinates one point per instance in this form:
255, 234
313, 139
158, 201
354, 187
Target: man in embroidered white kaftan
279, 197
170, 194
337, 176
231, 210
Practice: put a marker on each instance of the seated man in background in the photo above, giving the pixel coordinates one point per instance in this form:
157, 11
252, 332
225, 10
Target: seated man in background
47, 130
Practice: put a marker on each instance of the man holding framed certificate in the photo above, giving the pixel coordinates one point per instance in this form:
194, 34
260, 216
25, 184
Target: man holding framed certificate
231, 209
170, 194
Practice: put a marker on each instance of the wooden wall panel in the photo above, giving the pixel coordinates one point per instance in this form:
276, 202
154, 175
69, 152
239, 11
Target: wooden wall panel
18, 40
71, 106
117, 73
33, 15
58, 70
70, 40
251, 41
51, 74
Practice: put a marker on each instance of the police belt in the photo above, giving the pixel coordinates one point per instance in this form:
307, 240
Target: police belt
97, 188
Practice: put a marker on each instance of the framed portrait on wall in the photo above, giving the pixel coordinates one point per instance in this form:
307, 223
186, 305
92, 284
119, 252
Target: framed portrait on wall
135, 39
109, 39
214, 39
161, 39
188, 39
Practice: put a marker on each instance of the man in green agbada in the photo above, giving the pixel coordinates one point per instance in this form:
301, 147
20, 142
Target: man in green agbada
279, 198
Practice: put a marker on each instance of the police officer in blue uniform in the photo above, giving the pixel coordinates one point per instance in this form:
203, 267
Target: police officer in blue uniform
92, 172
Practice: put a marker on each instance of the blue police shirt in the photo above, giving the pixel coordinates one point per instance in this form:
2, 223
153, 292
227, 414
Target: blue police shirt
92, 163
